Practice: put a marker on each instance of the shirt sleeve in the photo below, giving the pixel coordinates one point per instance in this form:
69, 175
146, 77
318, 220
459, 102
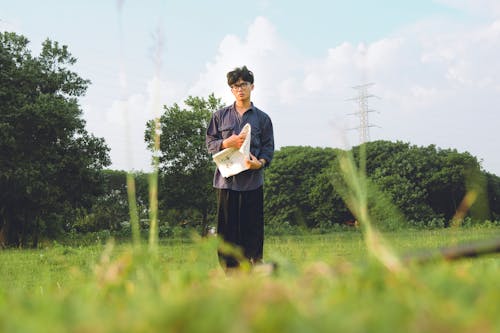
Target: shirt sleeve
213, 138
267, 141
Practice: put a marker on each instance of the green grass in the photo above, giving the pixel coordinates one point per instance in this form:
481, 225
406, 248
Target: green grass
324, 283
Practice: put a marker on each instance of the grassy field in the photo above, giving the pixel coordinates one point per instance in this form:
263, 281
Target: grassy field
324, 283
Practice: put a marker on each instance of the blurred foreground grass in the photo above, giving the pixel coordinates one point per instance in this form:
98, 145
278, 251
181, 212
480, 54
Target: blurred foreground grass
324, 283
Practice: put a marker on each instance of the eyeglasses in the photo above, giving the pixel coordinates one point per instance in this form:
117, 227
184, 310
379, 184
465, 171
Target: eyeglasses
242, 85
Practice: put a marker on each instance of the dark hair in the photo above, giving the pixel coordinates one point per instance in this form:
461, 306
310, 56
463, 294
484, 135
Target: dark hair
239, 73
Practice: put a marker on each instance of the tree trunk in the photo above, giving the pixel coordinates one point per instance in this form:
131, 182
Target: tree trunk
3, 235
204, 223
34, 237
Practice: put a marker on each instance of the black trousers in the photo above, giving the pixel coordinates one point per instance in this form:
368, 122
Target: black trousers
241, 224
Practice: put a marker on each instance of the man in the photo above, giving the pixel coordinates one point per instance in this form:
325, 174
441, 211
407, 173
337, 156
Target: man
241, 197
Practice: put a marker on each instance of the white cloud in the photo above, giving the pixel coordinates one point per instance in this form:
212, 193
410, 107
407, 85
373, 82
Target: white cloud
123, 124
490, 8
262, 51
9, 26
437, 83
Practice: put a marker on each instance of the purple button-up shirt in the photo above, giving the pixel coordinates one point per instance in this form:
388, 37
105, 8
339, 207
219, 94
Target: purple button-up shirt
226, 122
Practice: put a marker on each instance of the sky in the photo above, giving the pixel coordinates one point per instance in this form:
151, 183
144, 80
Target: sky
432, 66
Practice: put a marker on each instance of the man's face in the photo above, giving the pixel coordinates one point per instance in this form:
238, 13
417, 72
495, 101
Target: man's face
242, 90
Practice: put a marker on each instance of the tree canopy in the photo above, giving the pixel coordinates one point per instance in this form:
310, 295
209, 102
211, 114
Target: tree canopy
289, 180
186, 168
49, 164
304, 185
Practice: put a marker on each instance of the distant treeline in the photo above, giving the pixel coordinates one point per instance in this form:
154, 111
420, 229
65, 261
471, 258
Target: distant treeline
408, 186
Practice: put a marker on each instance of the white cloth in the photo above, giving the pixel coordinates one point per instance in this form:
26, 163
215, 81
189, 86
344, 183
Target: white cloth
231, 161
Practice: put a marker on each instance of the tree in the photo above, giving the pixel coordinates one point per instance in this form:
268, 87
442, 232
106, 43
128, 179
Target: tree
335, 196
111, 208
49, 164
493, 185
400, 171
327, 204
186, 167
423, 182
288, 183
404, 183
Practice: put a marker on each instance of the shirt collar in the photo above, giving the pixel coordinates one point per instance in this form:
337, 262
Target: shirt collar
251, 108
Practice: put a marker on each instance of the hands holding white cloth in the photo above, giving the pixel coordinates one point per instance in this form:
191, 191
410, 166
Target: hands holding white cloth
232, 161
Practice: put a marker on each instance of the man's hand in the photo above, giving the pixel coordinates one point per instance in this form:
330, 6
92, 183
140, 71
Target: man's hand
234, 141
253, 163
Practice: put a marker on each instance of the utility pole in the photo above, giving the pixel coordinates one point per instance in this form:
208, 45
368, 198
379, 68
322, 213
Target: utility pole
363, 110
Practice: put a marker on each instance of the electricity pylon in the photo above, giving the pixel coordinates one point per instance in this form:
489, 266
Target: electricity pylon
363, 110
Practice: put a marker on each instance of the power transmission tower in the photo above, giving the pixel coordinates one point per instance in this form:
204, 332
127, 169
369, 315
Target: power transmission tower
363, 110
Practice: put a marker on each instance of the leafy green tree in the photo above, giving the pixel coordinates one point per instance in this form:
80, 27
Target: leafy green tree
424, 182
447, 183
401, 171
49, 164
111, 208
405, 183
327, 204
493, 189
288, 183
186, 167
336, 202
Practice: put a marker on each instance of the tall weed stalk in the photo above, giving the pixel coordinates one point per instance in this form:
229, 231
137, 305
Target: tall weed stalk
131, 192
354, 189
153, 178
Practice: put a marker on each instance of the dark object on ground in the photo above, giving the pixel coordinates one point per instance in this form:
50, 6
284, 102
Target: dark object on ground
468, 250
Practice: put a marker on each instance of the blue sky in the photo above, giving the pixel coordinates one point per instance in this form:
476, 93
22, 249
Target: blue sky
433, 64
